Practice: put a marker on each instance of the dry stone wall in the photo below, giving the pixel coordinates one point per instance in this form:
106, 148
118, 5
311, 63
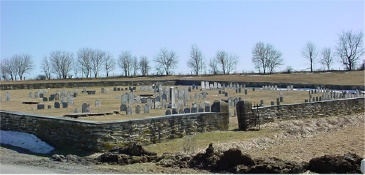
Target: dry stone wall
99, 136
313, 109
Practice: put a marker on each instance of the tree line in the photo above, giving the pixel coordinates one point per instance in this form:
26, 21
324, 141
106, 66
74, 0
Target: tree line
92, 62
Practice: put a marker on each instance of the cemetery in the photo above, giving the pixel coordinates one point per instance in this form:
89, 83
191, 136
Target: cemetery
161, 111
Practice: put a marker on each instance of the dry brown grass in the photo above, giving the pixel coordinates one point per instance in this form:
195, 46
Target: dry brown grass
334, 78
111, 102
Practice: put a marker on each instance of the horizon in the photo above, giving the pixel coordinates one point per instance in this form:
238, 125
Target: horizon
145, 27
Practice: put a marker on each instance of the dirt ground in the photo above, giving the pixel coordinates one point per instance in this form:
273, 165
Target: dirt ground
296, 140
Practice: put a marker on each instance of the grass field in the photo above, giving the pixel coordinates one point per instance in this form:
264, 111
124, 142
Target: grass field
111, 102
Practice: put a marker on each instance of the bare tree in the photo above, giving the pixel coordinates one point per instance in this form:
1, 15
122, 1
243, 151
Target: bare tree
144, 65
350, 48
196, 61
166, 60
96, 61
274, 59
84, 57
109, 64
226, 62
46, 67
125, 62
310, 52
327, 58
213, 66
266, 57
135, 65
7, 69
23, 64
61, 62
259, 57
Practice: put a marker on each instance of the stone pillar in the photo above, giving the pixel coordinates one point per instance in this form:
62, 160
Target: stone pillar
244, 112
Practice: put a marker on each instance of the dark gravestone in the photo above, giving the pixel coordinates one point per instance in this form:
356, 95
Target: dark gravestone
51, 97
246, 91
168, 112
118, 89
64, 104
49, 106
272, 103
114, 88
253, 89
45, 99
85, 108
207, 108
174, 111
41, 95
219, 91
56, 104
40, 106
200, 109
123, 107
281, 99
189, 89
187, 110
216, 106
181, 111
194, 110
239, 90
244, 113
277, 101
75, 94
143, 100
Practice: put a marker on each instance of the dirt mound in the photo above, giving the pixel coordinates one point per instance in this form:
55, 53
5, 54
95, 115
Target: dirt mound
348, 163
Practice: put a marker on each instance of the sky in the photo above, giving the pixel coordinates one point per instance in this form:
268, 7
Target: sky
144, 27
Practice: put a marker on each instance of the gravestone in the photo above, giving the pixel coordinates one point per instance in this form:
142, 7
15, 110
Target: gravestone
272, 103
102, 90
144, 100
129, 110
245, 91
40, 106
174, 111
215, 106
172, 97
30, 95
57, 97
281, 99
41, 95
97, 103
56, 104
207, 107
189, 89
49, 106
76, 110
200, 109
277, 101
138, 109
85, 108
253, 89
168, 112
146, 109
226, 94
194, 110
45, 99
123, 107
181, 111
7, 96
186, 110
64, 104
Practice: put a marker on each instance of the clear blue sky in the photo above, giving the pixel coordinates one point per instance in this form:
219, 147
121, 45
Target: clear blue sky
144, 27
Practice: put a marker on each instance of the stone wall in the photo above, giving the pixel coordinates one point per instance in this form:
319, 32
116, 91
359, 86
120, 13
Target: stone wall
77, 84
313, 109
100, 136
